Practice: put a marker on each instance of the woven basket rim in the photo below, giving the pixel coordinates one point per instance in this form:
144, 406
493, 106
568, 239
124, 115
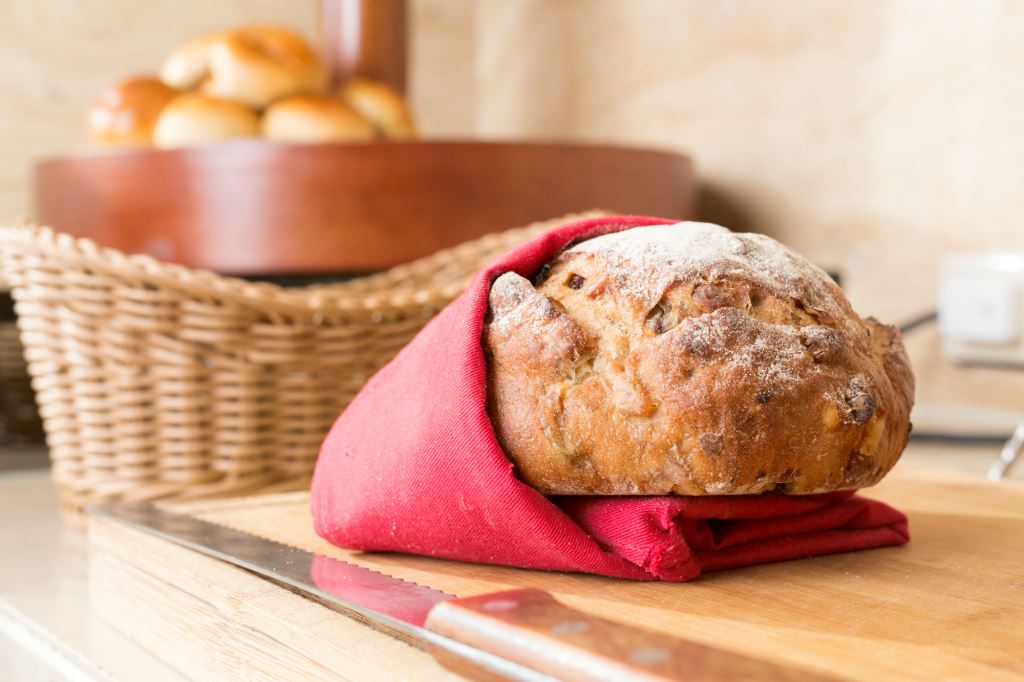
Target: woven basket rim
159, 381
341, 297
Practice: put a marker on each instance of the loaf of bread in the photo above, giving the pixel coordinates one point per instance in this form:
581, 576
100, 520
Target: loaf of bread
688, 359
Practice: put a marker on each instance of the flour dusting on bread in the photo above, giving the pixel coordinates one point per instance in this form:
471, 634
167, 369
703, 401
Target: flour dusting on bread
515, 302
689, 359
646, 260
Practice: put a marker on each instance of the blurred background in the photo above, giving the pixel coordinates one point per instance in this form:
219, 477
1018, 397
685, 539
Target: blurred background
874, 137
883, 139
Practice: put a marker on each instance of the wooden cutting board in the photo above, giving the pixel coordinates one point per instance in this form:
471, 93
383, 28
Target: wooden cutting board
950, 605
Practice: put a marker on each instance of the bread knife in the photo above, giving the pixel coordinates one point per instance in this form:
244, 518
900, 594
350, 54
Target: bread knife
522, 634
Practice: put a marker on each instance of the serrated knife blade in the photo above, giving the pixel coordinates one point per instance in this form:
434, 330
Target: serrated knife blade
520, 634
392, 605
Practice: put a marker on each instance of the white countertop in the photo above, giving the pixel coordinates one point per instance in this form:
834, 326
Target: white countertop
48, 629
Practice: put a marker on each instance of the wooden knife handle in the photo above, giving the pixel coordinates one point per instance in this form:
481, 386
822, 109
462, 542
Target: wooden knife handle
531, 628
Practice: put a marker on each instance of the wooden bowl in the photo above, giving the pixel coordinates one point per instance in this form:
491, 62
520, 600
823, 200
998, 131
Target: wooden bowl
256, 207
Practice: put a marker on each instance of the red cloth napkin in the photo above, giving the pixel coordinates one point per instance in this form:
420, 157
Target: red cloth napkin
412, 465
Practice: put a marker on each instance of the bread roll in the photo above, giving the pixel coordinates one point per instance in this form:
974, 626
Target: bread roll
189, 63
687, 359
126, 113
253, 65
314, 118
193, 119
380, 105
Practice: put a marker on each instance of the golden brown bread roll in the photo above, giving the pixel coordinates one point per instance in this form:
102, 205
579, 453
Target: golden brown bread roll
687, 359
314, 118
189, 63
126, 113
193, 119
380, 105
254, 65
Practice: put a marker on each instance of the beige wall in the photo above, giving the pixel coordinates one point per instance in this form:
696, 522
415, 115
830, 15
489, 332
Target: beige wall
870, 135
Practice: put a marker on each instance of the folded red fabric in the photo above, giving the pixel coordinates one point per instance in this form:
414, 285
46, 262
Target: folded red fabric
412, 465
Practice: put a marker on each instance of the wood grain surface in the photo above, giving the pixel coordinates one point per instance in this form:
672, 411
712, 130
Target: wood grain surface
255, 207
530, 627
950, 605
365, 38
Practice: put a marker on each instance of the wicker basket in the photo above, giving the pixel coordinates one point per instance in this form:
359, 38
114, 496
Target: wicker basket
156, 381
19, 420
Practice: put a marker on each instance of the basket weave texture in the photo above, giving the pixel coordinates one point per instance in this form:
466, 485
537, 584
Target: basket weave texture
19, 421
157, 381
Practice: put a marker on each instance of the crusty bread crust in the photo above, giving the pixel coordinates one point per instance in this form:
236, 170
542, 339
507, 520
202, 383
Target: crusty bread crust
691, 360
